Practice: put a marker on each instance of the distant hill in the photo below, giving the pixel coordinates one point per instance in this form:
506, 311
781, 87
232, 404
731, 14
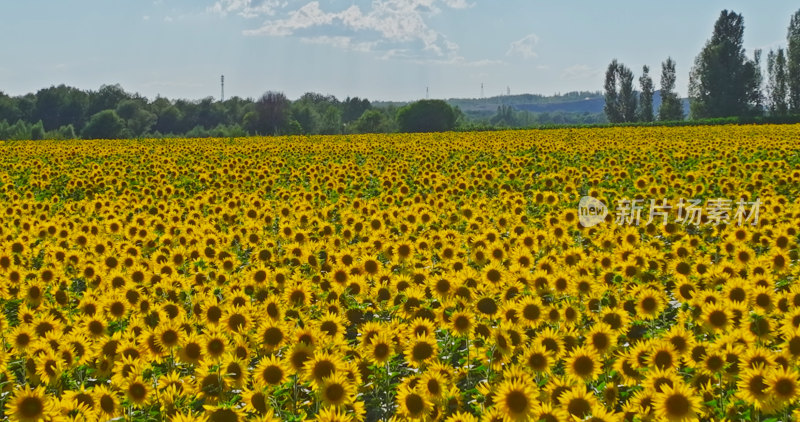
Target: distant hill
580, 102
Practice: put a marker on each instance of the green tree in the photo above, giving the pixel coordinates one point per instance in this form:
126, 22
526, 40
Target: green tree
646, 96
271, 114
8, 108
620, 96
104, 125
60, 105
372, 121
169, 119
331, 121
353, 108
306, 116
504, 116
426, 116
671, 107
611, 107
793, 62
137, 119
777, 83
37, 131
723, 81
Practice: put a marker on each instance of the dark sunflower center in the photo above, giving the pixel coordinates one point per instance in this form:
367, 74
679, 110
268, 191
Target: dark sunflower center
677, 405
273, 336
323, 369
137, 391
517, 402
784, 387
334, 392
717, 318
583, 366
422, 351
259, 402
381, 350
756, 386
414, 404
579, 407
272, 374
224, 415
31, 407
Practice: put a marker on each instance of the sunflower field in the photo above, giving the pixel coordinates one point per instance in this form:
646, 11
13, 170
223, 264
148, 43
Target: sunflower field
427, 277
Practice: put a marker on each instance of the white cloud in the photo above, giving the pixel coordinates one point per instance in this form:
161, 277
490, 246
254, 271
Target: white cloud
580, 71
247, 8
458, 4
145, 18
342, 42
307, 16
396, 25
524, 47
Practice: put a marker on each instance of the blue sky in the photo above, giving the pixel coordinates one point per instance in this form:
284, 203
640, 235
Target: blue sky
379, 49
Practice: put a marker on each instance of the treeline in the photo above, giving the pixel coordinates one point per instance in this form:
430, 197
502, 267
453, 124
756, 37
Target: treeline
63, 112
724, 82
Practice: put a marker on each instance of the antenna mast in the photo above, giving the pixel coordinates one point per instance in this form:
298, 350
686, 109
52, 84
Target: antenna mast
222, 87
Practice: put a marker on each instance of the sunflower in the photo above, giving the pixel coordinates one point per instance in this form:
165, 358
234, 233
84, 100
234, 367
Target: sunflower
188, 417
21, 337
272, 335
236, 319
421, 349
412, 404
215, 343
551, 341
601, 338
332, 326
649, 303
516, 399
234, 370
209, 384
462, 322
677, 404
191, 349
663, 356
226, 413
578, 401
333, 414
27, 405
538, 359
716, 316
548, 413
752, 388
783, 384
137, 391
168, 336
321, 366
299, 356
461, 417
336, 390
657, 379
380, 348
256, 401
49, 367
434, 385
81, 400
270, 371
583, 364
